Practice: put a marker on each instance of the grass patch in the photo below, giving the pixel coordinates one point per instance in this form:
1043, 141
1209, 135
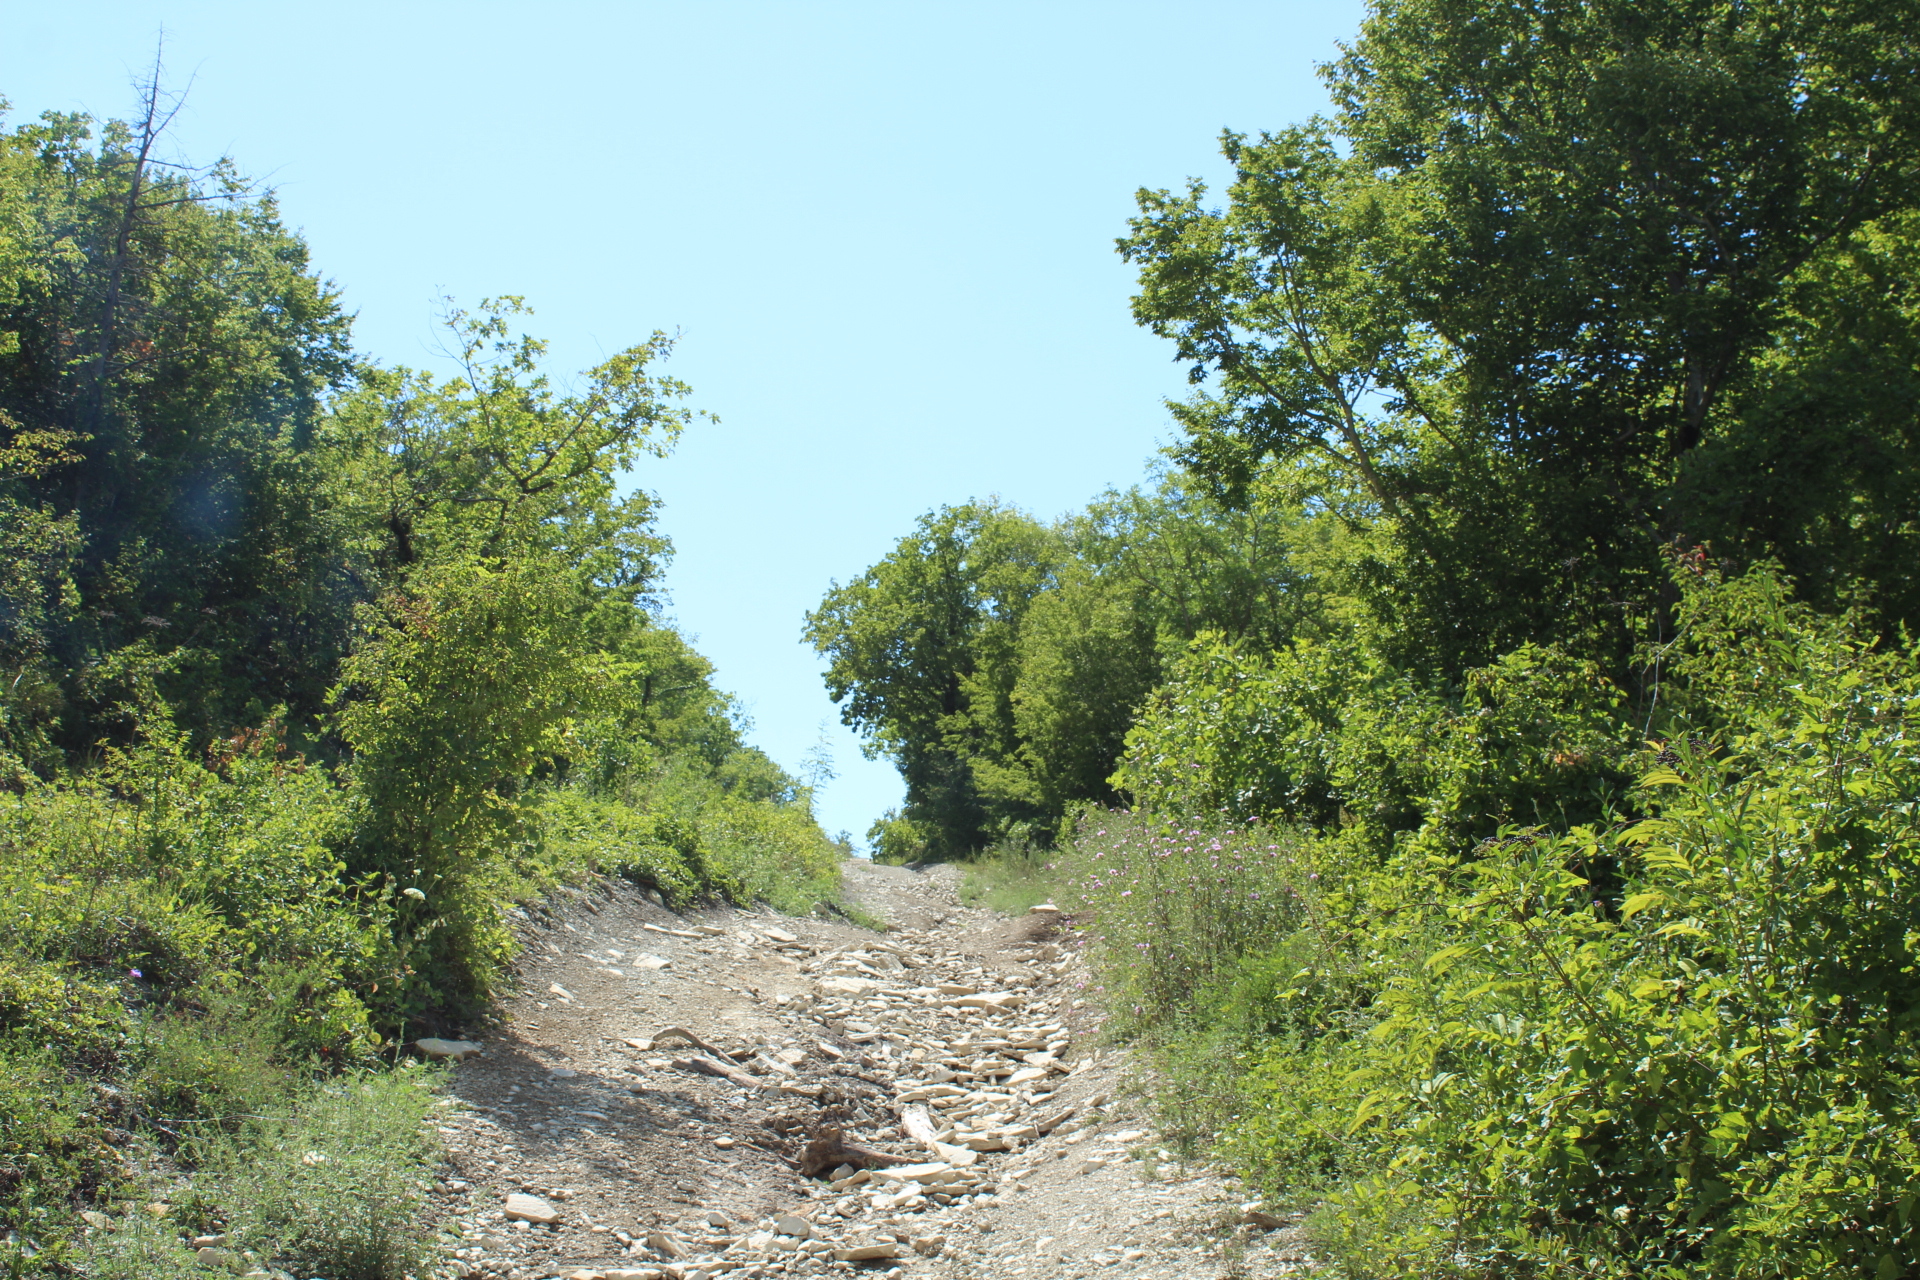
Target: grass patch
1010, 878
329, 1183
855, 914
333, 1186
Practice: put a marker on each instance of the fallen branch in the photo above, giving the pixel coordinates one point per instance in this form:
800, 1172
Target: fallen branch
709, 1067
830, 1149
918, 1125
683, 1034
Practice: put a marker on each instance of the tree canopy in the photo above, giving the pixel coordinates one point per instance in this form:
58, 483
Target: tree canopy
1524, 295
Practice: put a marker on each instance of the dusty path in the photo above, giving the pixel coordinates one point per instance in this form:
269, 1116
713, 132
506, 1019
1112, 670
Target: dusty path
948, 1042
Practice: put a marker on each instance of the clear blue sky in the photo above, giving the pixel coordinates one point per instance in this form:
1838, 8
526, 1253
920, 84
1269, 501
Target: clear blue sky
885, 231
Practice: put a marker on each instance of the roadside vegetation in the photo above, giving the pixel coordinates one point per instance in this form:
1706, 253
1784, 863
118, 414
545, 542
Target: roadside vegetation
1481, 755
310, 671
1480, 752
1010, 878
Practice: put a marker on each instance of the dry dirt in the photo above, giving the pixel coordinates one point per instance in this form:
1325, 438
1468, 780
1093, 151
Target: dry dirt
654, 1169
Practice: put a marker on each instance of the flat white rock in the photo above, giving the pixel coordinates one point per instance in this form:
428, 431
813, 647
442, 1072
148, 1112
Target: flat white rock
525, 1208
867, 1252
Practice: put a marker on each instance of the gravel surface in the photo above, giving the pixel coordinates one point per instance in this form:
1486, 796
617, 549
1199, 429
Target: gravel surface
660, 1082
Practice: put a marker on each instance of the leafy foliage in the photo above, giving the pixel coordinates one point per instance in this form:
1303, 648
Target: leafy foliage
309, 670
919, 650
1537, 296
1664, 1029
1000, 662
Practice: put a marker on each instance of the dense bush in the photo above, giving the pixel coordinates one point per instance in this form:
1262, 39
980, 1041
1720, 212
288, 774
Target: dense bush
1332, 736
1676, 1039
1709, 1068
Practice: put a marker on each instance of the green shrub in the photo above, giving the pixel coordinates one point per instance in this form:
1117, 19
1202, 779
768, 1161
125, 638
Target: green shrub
583, 832
697, 840
51, 1149
1559, 1024
53, 1006
1677, 1041
332, 1186
772, 853
179, 949
139, 1246
236, 1045
1331, 737
460, 687
1709, 1070
898, 840
1220, 950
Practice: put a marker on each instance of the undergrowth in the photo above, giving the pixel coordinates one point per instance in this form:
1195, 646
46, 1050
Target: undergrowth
201, 1005
1674, 1040
1010, 877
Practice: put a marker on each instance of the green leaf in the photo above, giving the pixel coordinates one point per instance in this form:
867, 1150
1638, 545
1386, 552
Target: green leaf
1640, 902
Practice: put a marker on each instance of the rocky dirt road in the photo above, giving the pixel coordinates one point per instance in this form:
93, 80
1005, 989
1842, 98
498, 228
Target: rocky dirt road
751, 1095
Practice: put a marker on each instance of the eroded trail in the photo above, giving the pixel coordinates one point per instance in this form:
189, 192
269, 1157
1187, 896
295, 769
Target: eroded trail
939, 1079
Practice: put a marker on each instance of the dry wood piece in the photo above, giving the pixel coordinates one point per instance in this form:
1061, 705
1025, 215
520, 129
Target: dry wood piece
681, 1033
709, 1067
830, 1149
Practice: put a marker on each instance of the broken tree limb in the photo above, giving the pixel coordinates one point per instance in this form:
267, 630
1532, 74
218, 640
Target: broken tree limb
710, 1067
918, 1125
681, 1033
830, 1149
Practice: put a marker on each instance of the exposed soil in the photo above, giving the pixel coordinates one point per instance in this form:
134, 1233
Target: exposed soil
847, 1050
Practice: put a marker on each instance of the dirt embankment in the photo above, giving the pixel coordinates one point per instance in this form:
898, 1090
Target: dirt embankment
663, 1086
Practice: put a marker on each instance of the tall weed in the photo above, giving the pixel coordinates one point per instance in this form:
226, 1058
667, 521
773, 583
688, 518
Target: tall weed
1178, 908
1211, 943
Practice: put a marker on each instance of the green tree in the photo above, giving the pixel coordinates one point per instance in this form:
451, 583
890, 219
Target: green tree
1152, 569
1528, 269
1001, 664
921, 651
166, 330
494, 462
468, 680
492, 513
